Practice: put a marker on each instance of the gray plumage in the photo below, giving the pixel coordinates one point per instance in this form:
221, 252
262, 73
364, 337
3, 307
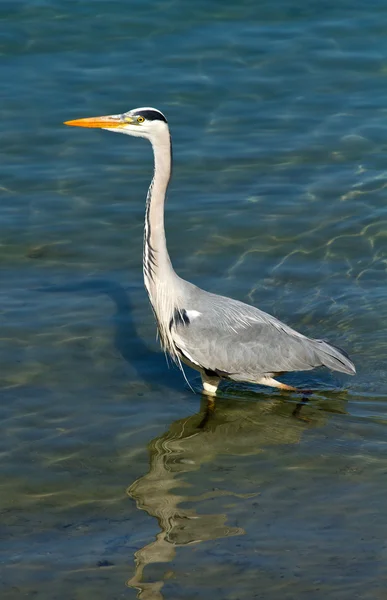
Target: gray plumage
218, 336
241, 342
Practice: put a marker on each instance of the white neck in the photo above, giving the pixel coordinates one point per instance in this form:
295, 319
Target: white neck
160, 279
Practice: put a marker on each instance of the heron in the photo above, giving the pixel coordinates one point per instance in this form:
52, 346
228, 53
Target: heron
220, 337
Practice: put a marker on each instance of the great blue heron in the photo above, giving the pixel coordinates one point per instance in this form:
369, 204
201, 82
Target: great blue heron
220, 337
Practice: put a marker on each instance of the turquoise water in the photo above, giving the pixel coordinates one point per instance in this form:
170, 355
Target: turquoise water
115, 480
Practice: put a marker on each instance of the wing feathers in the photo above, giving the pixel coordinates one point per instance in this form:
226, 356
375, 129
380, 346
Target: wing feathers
334, 358
234, 338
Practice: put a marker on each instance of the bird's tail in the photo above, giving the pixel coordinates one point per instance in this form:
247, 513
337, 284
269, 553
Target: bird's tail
334, 358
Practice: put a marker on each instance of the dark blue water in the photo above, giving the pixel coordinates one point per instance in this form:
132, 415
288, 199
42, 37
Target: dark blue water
114, 480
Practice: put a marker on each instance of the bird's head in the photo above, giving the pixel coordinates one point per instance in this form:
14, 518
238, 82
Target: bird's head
144, 122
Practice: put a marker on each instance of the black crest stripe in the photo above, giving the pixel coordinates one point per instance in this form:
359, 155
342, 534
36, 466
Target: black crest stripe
152, 115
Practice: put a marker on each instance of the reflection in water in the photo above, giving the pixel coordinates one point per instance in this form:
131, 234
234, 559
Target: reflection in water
236, 428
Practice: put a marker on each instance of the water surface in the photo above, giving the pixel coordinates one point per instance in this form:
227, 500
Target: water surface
115, 479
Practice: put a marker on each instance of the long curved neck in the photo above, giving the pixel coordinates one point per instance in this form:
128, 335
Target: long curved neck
161, 281
156, 262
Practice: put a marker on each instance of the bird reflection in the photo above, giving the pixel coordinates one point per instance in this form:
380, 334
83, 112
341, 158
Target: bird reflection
234, 427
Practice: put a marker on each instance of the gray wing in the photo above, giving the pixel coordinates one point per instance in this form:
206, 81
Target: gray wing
244, 343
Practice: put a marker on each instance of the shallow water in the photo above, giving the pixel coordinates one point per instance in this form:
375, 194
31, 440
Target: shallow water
115, 479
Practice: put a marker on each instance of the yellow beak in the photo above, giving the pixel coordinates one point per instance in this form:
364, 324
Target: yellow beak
109, 122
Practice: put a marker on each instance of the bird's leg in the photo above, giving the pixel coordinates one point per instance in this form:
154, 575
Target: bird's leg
210, 384
284, 386
304, 400
270, 381
210, 409
297, 411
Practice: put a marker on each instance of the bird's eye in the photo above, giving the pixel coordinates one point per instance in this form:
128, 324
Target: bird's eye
140, 119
